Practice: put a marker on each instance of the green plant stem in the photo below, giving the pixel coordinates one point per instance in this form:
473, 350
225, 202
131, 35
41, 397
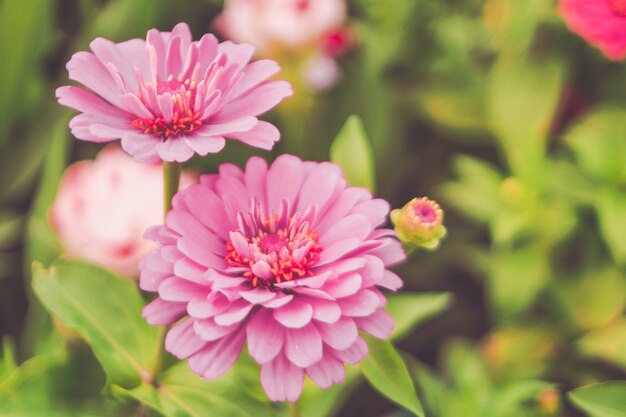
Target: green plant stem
171, 181
295, 409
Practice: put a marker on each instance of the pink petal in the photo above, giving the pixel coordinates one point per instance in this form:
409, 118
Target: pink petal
174, 149
339, 335
355, 353
257, 101
235, 313
303, 347
204, 145
362, 304
204, 307
353, 226
176, 289
327, 372
390, 281
255, 177
181, 341
284, 180
326, 311
159, 312
294, 315
265, 337
380, 324
281, 380
210, 331
344, 286
263, 135
141, 147
217, 357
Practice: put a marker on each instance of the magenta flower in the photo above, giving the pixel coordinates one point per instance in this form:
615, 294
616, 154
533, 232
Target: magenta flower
167, 97
600, 22
287, 258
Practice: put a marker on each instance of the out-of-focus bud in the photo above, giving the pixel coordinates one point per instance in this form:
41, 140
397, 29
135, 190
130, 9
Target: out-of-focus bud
104, 206
337, 42
321, 73
549, 401
419, 223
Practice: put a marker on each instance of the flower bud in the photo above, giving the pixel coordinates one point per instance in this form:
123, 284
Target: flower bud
419, 223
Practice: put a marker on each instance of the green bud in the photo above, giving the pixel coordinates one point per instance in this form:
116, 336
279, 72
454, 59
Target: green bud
419, 223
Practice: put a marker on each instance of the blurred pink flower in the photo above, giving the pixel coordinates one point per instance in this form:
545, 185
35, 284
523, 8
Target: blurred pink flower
287, 258
600, 22
104, 206
280, 23
321, 72
167, 98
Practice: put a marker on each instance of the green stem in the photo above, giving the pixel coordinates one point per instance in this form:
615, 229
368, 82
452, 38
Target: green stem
295, 409
171, 180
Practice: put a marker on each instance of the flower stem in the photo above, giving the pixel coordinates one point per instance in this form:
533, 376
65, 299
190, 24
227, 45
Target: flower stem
171, 180
295, 409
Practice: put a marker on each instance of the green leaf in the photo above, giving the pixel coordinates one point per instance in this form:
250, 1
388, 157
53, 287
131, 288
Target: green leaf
351, 150
411, 310
24, 29
105, 309
607, 399
477, 190
57, 384
599, 142
8, 361
608, 343
611, 208
522, 99
516, 277
386, 371
184, 394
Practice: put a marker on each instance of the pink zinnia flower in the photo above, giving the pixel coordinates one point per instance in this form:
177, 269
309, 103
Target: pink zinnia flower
103, 207
281, 24
168, 97
287, 258
600, 22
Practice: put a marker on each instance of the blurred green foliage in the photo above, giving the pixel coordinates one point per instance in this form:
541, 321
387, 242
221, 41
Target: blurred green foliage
490, 106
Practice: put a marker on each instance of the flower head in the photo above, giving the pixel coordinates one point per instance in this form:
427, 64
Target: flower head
419, 223
168, 98
600, 22
287, 258
281, 24
103, 207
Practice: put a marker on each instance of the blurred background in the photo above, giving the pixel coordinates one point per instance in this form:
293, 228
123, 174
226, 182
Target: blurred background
494, 108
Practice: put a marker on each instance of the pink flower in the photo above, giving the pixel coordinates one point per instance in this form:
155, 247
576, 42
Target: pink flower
287, 258
600, 22
280, 23
167, 98
103, 207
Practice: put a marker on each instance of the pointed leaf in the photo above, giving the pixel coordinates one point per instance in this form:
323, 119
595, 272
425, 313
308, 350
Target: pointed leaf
607, 399
386, 372
105, 309
410, 310
351, 150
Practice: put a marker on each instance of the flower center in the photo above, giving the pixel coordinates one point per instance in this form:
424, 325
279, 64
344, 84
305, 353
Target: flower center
425, 213
183, 120
277, 251
618, 7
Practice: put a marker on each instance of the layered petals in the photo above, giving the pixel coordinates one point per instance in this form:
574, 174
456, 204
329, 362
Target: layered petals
251, 257
169, 98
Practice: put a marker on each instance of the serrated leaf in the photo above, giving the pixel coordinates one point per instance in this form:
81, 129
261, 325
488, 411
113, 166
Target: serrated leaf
351, 150
607, 399
386, 372
105, 309
410, 310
